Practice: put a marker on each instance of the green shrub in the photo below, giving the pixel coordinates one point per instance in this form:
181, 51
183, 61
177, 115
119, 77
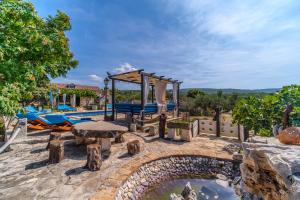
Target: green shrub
265, 132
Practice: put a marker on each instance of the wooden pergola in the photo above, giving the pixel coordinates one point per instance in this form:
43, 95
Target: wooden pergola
137, 77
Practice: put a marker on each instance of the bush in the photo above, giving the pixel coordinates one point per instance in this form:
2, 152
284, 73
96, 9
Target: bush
265, 133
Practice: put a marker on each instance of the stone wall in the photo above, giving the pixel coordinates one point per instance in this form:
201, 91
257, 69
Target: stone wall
155, 172
227, 128
271, 170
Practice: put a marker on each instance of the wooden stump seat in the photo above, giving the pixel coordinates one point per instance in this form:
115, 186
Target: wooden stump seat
133, 147
94, 161
53, 136
56, 151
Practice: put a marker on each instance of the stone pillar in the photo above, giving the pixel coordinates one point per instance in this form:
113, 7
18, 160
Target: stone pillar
23, 125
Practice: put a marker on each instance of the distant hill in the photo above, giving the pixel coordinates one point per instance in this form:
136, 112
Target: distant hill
230, 90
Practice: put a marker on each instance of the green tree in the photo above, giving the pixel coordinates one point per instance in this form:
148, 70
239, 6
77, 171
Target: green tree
193, 93
32, 50
259, 113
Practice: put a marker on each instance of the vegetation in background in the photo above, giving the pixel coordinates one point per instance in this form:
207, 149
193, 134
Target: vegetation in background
260, 113
79, 92
198, 103
32, 50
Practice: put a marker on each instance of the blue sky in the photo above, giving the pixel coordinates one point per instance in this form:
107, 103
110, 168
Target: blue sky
205, 43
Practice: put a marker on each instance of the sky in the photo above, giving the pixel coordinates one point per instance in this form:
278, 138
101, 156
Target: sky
247, 44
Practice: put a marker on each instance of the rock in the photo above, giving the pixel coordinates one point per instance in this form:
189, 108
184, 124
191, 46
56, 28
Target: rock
269, 170
290, 135
175, 197
188, 193
221, 177
237, 156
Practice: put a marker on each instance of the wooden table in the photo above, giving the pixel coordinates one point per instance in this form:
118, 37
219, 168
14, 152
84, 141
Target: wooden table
100, 130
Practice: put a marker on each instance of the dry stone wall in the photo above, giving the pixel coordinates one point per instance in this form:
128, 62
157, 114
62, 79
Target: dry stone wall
155, 172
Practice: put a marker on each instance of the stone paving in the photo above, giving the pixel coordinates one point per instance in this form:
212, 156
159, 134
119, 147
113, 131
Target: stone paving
25, 173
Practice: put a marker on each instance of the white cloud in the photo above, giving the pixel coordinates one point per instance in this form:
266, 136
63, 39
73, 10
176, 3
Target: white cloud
95, 77
126, 67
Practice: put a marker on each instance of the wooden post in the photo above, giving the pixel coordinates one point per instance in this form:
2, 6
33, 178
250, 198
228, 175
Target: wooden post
178, 103
152, 93
142, 99
53, 136
113, 98
56, 151
286, 115
93, 157
162, 125
133, 147
217, 119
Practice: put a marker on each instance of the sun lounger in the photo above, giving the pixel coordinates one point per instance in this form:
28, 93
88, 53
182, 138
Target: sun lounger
65, 108
31, 109
64, 122
37, 122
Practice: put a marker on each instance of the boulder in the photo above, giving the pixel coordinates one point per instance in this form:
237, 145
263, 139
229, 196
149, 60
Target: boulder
270, 170
290, 135
187, 194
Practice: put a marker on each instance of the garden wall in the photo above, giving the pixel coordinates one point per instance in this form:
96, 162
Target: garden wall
227, 128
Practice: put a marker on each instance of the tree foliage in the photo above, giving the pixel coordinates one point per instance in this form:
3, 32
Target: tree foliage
197, 102
193, 93
32, 50
260, 113
79, 92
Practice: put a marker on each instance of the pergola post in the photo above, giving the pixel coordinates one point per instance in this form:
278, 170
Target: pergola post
142, 97
113, 98
178, 93
152, 93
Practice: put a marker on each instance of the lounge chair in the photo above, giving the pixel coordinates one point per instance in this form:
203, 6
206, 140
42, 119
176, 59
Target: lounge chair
37, 122
65, 108
63, 122
31, 109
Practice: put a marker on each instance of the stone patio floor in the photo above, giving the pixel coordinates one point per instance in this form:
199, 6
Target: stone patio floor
25, 173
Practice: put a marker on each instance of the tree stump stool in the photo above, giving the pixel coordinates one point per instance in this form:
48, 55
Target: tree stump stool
94, 161
120, 139
53, 136
133, 147
56, 151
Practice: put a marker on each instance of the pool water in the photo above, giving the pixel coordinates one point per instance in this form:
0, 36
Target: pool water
209, 189
87, 114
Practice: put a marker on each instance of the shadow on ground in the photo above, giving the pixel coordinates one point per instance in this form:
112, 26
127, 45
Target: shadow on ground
37, 165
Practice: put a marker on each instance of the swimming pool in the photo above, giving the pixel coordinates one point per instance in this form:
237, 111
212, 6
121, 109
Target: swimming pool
88, 113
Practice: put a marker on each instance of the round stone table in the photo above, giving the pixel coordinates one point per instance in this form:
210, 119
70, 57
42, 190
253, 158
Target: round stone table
100, 130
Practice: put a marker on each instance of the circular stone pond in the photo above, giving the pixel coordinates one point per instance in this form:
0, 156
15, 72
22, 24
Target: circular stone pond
158, 178
204, 189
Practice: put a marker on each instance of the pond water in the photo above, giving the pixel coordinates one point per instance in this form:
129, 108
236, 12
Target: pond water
206, 189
